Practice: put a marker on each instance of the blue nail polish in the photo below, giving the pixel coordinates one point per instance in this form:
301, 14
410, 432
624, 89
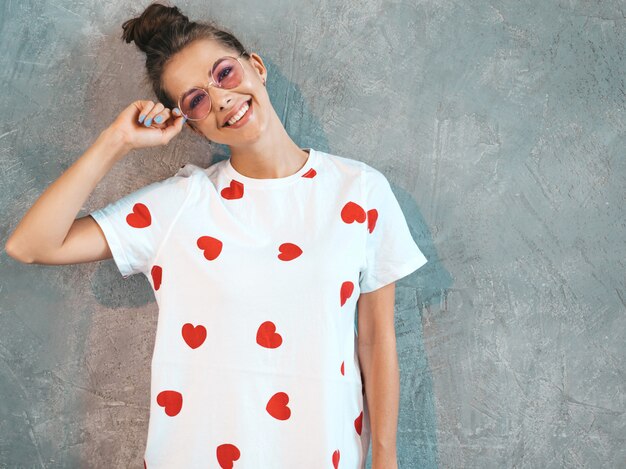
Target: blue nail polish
176, 110
184, 120
158, 119
148, 122
141, 118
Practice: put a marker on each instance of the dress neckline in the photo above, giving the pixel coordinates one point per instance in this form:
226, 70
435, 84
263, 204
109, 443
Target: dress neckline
271, 182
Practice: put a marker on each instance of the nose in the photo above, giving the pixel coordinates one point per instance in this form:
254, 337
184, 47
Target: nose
220, 98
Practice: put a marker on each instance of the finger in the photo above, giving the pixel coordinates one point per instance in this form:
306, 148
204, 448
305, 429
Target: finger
160, 119
144, 108
158, 107
172, 130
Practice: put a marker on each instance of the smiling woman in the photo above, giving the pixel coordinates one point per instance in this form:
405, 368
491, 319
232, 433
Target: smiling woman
257, 264
207, 73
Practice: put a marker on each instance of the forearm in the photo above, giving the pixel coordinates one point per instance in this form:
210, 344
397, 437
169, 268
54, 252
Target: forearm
381, 376
46, 224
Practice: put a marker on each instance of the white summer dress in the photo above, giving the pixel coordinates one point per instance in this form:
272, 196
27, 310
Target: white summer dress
255, 362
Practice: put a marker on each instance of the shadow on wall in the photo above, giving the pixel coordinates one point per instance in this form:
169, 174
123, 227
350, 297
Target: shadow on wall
423, 289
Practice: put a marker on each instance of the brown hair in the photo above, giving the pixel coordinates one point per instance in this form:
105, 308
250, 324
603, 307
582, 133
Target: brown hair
161, 31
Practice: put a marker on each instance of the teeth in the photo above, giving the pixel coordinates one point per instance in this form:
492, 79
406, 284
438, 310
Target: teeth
239, 115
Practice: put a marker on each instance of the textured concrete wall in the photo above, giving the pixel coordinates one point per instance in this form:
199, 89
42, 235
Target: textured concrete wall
501, 127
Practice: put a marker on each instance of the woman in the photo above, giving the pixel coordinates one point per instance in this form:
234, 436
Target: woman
257, 265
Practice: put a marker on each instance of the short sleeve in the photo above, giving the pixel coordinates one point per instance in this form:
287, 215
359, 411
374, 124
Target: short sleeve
390, 251
136, 225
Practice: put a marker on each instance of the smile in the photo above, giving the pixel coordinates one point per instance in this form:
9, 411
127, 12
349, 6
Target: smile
247, 108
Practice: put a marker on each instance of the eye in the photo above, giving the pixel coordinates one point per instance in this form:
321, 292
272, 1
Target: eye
196, 100
224, 73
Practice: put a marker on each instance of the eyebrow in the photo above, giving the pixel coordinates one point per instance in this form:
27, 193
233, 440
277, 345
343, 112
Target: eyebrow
207, 74
197, 85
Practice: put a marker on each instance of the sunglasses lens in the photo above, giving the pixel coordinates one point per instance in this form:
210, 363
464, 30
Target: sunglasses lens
227, 73
195, 103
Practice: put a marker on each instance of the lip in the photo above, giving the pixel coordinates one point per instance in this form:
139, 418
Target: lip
241, 121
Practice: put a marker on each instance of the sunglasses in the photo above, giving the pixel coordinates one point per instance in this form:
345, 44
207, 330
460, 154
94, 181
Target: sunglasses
227, 73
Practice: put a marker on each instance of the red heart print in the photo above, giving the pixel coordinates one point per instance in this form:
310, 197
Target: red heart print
358, 423
277, 406
140, 216
342, 369
234, 191
310, 173
157, 275
194, 336
372, 216
226, 454
336, 459
353, 212
266, 335
172, 401
144, 464
212, 247
288, 251
347, 288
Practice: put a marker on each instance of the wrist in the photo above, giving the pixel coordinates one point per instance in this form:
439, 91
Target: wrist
115, 141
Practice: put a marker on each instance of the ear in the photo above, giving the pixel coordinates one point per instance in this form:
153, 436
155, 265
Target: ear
257, 63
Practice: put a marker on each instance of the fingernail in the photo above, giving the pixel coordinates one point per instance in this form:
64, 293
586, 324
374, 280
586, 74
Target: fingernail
142, 117
158, 119
176, 110
184, 120
148, 122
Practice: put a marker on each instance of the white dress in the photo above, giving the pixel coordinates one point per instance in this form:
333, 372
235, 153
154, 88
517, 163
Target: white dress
255, 362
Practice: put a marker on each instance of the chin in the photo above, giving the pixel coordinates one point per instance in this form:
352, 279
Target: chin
252, 132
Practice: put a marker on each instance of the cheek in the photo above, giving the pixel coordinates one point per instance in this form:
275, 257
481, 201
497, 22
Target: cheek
263, 102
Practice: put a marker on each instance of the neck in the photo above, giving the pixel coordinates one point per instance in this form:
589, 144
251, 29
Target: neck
273, 155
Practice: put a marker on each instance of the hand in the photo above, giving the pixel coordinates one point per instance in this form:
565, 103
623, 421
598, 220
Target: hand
136, 134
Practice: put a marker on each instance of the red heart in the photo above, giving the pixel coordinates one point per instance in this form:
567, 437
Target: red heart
234, 191
157, 275
352, 212
372, 216
358, 423
140, 216
346, 291
194, 336
266, 335
144, 464
172, 401
277, 406
336, 459
211, 246
310, 173
288, 251
226, 454
342, 369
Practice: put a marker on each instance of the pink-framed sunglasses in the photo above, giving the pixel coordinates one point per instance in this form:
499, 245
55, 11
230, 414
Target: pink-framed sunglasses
227, 73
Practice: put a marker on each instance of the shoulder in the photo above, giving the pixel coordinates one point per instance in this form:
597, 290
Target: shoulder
171, 191
186, 177
192, 171
351, 168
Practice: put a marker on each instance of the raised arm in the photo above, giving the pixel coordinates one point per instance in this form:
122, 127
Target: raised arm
49, 232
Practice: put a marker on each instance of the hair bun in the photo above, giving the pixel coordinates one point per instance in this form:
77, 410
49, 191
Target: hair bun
155, 19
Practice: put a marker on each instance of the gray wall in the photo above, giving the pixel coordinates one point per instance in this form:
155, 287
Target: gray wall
501, 128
